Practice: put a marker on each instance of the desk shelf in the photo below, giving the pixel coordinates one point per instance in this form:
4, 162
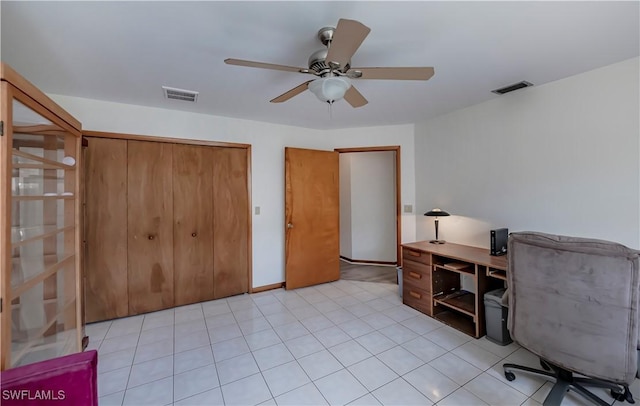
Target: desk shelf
455, 320
461, 300
497, 273
459, 267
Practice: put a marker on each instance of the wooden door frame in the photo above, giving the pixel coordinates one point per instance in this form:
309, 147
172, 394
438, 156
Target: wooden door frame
396, 149
135, 137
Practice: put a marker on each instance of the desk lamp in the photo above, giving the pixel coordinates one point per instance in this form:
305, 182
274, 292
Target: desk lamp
436, 213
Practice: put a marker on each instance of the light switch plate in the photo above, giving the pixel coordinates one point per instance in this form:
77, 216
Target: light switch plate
257, 210
408, 208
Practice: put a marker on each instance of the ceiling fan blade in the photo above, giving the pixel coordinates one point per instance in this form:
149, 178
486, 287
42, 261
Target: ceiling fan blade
291, 93
424, 73
346, 40
354, 97
252, 64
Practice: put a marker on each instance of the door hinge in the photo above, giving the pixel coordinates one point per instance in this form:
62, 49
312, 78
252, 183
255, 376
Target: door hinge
0, 305
1, 128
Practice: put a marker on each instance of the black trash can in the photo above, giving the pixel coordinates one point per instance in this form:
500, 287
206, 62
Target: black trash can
495, 315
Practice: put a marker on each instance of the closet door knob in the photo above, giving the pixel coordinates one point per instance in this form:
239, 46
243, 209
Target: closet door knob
194, 235
150, 237
289, 225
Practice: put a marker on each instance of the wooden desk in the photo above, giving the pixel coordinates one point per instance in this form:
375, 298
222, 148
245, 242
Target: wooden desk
431, 282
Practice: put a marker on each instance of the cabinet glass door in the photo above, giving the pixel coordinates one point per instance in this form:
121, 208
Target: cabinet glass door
43, 285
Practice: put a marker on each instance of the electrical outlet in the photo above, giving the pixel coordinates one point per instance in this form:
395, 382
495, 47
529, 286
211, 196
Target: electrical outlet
408, 208
257, 210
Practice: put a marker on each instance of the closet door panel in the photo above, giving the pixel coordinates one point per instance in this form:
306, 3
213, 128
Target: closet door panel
192, 224
106, 229
150, 226
230, 221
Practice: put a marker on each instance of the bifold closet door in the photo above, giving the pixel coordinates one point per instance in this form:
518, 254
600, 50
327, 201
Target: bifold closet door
230, 221
106, 229
192, 224
150, 226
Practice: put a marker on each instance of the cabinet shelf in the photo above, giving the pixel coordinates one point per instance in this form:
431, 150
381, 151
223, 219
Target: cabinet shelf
461, 300
20, 288
41, 197
43, 163
37, 233
31, 344
45, 302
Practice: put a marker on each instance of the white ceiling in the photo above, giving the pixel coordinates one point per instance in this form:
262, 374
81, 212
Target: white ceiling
125, 51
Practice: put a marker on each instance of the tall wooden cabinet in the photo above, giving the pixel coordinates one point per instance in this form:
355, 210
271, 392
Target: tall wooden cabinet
40, 279
178, 232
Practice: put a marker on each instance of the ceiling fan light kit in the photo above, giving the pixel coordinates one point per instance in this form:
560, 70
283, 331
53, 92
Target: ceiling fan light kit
330, 89
332, 66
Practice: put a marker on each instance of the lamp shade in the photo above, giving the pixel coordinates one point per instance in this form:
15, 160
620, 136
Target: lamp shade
436, 213
330, 88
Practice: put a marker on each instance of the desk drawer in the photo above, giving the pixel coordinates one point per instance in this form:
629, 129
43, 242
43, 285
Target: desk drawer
418, 299
417, 274
417, 256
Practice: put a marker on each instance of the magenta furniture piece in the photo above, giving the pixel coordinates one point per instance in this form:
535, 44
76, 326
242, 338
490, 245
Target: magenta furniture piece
68, 380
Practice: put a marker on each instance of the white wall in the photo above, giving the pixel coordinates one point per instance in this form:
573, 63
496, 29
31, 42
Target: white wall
372, 209
561, 158
345, 205
267, 172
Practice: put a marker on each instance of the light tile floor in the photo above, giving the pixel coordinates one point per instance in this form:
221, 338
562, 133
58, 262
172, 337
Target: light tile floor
347, 342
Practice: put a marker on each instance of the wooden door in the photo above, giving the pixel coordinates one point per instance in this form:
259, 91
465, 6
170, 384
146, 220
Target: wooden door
192, 224
150, 226
312, 217
230, 221
106, 229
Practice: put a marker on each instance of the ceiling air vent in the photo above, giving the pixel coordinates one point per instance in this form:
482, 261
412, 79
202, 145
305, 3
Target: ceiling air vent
180, 94
512, 87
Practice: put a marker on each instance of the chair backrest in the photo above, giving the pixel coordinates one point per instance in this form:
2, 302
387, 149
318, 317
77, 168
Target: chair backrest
574, 302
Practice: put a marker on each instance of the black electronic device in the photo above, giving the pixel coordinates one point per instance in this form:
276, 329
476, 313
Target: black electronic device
499, 238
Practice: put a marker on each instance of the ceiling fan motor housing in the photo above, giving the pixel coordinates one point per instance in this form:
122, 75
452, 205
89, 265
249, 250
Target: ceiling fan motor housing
318, 63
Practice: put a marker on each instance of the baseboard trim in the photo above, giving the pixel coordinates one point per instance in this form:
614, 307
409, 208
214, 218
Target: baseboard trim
267, 287
368, 262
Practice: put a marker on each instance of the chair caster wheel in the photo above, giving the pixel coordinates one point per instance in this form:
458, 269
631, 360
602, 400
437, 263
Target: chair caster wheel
509, 375
619, 396
623, 396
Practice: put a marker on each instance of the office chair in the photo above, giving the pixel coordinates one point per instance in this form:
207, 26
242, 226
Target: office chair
574, 303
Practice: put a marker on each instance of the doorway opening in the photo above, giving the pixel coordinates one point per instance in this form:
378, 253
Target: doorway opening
370, 227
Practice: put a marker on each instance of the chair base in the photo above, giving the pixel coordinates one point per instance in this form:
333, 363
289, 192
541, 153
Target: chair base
565, 381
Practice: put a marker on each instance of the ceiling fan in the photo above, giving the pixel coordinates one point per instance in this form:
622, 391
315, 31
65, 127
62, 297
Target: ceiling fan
332, 66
